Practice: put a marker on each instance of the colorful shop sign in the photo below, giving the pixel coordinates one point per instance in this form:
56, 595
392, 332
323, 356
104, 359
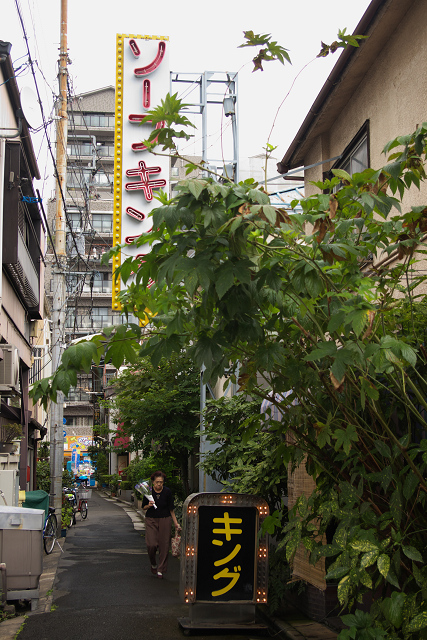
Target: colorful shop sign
81, 443
142, 80
224, 559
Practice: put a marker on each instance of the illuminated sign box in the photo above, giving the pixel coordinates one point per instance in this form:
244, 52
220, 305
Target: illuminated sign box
142, 81
224, 562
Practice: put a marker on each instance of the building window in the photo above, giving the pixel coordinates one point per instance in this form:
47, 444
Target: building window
74, 219
78, 394
92, 120
357, 161
105, 150
102, 283
102, 222
80, 149
355, 157
36, 372
175, 172
78, 177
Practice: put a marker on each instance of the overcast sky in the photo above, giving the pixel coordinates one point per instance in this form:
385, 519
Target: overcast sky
203, 36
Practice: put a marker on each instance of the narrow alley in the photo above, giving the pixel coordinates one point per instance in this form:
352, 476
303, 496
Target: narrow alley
104, 589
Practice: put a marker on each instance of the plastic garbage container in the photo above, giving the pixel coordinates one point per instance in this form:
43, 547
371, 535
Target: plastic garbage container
37, 500
21, 548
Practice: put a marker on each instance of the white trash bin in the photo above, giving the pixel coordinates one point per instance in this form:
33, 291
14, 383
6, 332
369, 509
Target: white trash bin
21, 549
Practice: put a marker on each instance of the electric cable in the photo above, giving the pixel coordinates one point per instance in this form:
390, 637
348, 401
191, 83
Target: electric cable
44, 120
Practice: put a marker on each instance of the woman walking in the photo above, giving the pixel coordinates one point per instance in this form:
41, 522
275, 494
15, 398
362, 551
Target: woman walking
159, 514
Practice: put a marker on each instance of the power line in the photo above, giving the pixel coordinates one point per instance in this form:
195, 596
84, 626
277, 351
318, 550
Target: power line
44, 123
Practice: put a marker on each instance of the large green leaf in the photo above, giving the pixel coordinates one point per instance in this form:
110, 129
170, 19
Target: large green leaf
383, 564
224, 279
418, 622
369, 558
412, 553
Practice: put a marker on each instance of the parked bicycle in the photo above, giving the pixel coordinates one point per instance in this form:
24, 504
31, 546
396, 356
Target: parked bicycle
82, 495
70, 496
49, 531
77, 496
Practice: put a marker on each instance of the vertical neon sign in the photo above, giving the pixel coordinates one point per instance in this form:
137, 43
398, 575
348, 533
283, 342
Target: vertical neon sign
142, 80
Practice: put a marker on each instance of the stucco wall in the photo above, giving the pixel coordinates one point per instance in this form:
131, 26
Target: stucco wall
392, 96
13, 323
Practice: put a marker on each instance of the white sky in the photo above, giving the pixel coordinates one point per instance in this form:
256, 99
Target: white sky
203, 36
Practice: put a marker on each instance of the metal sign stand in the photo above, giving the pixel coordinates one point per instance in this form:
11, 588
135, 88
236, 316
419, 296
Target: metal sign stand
224, 562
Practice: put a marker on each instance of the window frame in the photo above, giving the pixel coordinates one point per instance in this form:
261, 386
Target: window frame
352, 147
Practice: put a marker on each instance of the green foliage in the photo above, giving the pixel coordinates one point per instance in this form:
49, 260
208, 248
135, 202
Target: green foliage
271, 51
168, 113
99, 458
279, 576
66, 513
43, 475
43, 452
67, 478
10, 432
142, 468
285, 299
293, 302
157, 406
244, 457
343, 42
112, 480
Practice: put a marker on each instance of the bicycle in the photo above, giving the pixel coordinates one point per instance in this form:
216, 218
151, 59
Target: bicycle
77, 497
71, 498
49, 531
82, 494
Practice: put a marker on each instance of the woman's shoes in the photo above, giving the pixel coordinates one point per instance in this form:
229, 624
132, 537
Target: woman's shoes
160, 575
153, 570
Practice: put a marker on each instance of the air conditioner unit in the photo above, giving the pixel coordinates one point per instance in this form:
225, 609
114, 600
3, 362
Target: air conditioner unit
9, 366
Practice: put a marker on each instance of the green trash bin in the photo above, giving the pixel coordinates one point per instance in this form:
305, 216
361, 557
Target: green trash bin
37, 500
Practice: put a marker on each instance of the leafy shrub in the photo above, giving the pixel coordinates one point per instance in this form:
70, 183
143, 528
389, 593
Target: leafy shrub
43, 475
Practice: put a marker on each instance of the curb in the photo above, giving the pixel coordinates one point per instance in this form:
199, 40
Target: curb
303, 629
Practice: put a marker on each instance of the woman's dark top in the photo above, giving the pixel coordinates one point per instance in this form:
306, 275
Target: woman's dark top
164, 502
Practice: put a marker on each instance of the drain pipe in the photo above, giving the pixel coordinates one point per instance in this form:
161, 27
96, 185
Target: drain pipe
3, 584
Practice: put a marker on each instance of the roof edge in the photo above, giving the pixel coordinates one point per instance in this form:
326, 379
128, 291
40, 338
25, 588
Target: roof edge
15, 99
366, 21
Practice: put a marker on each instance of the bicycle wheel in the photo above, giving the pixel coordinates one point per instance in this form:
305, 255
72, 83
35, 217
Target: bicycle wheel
49, 533
83, 509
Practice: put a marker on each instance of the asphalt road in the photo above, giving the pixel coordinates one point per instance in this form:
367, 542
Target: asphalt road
104, 589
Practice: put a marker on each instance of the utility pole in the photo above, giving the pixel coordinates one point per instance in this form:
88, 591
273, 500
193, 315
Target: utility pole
59, 270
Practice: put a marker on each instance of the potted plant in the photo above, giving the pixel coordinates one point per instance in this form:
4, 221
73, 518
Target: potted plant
8, 434
66, 517
126, 490
114, 483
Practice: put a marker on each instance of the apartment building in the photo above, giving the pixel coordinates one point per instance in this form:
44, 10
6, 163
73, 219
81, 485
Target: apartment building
22, 303
89, 227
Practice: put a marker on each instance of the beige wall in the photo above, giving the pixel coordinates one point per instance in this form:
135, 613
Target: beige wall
392, 96
13, 324
98, 101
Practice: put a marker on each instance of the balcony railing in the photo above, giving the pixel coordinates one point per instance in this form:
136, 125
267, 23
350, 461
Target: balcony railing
96, 322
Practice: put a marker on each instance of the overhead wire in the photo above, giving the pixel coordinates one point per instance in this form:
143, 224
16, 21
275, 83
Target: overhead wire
61, 336
18, 8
